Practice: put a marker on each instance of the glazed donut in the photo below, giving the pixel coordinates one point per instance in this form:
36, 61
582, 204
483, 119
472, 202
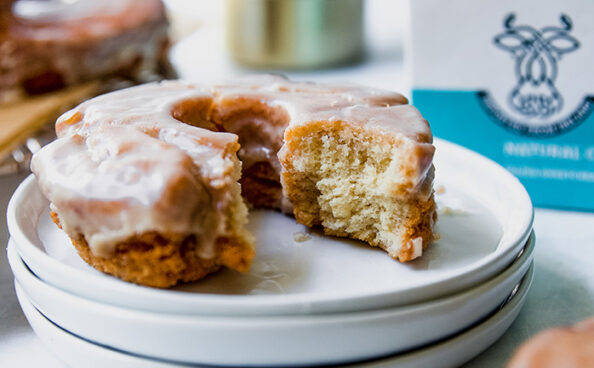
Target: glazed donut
47, 45
153, 171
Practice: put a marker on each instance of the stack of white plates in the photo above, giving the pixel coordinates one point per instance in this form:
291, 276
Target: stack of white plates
314, 302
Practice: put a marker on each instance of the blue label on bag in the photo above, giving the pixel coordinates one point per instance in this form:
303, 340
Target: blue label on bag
555, 164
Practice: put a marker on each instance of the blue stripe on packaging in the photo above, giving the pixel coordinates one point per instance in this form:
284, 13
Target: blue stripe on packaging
556, 169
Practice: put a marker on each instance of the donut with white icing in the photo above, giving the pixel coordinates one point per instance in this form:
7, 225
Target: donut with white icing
47, 45
146, 180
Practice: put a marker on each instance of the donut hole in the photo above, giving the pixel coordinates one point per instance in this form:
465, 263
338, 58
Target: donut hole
195, 112
260, 126
386, 100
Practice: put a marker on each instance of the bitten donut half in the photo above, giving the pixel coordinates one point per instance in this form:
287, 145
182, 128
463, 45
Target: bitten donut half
151, 183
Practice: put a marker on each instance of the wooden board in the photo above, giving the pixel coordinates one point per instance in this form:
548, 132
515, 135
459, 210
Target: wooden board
20, 120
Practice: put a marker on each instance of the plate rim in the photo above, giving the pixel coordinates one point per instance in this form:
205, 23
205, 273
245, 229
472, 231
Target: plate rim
117, 292
488, 296
497, 323
520, 265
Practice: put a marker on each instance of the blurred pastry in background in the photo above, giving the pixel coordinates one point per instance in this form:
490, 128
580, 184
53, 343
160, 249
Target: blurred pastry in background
570, 347
57, 53
47, 45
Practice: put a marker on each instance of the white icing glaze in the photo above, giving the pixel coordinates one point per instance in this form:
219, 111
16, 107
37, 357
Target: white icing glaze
66, 10
111, 185
417, 246
126, 151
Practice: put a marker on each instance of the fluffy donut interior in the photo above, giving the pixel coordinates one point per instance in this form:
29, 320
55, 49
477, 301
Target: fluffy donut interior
351, 182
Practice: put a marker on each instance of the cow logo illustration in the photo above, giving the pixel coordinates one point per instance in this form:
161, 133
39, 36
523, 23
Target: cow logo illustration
535, 106
536, 54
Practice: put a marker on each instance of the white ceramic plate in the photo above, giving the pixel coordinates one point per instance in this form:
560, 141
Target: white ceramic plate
272, 340
452, 352
488, 220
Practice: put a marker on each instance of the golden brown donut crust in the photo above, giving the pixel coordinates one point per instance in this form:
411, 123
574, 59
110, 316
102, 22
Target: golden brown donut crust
164, 260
